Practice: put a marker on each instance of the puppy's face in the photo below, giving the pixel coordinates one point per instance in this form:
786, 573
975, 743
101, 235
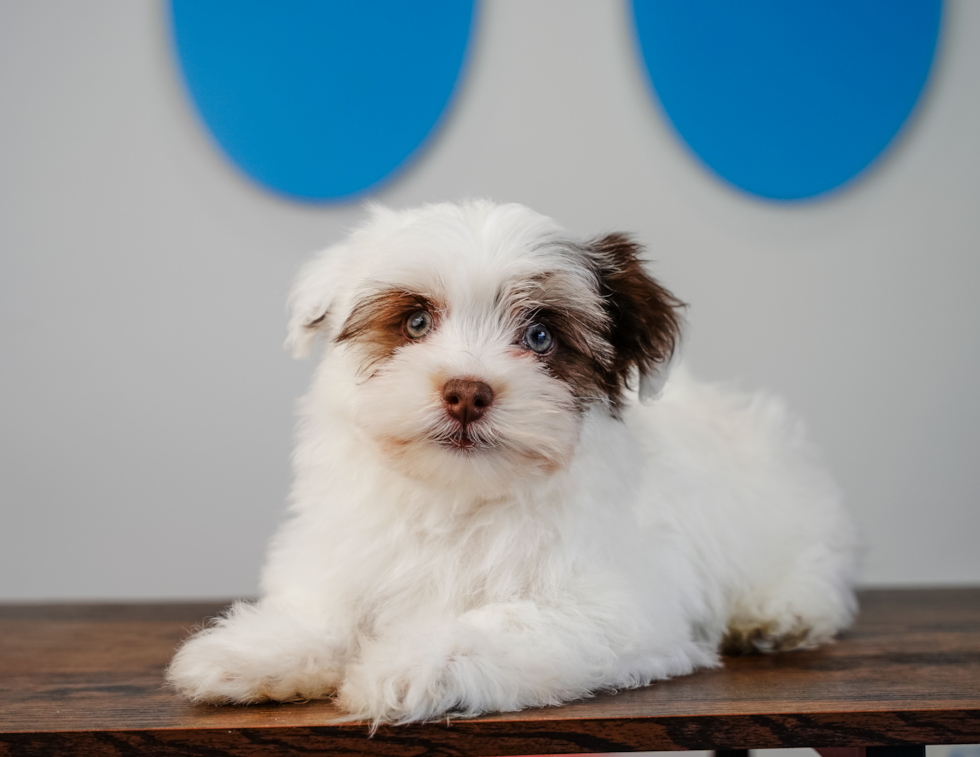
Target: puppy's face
478, 336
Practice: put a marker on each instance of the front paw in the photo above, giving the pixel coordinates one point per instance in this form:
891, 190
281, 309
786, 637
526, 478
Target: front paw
424, 675
205, 670
241, 662
400, 690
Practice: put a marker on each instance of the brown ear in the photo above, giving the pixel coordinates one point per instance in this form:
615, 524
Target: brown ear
645, 317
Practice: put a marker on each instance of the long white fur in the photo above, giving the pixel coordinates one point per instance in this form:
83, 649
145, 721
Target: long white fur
579, 553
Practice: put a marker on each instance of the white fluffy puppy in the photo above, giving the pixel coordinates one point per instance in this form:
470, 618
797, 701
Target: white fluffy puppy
485, 518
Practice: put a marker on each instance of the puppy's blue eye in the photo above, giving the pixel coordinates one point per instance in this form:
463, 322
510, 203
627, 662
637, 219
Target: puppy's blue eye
538, 339
418, 324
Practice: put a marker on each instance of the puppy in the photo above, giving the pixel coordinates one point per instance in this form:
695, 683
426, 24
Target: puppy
498, 501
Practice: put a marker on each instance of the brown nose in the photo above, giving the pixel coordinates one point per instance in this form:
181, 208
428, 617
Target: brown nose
466, 400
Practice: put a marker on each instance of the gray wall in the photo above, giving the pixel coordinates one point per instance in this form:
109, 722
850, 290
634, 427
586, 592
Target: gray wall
146, 403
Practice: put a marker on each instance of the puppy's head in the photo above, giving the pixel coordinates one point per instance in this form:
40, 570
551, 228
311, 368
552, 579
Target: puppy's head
474, 338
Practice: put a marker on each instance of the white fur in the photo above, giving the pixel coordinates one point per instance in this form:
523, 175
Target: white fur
577, 553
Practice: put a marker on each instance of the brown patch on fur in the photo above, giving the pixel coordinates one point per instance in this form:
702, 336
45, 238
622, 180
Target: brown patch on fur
544, 464
376, 324
574, 361
644, 318
754, 639
576, 318
393, 446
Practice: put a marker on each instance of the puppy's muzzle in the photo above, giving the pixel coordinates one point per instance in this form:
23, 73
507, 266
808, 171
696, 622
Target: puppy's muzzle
466, 400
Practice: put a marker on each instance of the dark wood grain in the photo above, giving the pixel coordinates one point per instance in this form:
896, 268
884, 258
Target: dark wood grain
87, 679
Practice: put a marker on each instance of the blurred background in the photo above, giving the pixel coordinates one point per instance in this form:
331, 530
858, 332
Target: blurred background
157, 196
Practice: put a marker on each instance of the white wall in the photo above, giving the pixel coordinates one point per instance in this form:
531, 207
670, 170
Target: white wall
145, 411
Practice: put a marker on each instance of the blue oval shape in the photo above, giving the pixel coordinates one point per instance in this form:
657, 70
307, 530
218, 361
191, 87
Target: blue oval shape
787, 99
321, 100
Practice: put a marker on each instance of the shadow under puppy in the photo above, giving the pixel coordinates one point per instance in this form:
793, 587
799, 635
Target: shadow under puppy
485, 517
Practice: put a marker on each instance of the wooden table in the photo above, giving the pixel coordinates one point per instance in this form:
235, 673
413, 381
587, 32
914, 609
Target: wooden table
87, 679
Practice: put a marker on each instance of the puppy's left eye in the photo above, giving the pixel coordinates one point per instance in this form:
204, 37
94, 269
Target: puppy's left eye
418, 324
538, 339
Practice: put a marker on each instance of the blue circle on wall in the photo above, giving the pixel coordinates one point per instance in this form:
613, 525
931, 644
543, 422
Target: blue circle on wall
787, 98
321, 99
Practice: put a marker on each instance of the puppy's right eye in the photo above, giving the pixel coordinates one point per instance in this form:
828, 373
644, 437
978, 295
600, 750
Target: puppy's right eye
418, 324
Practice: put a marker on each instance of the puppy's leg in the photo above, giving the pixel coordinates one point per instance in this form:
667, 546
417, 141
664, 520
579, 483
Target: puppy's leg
501, 657
258, 652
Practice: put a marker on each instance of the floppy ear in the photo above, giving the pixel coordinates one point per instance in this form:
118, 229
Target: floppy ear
645, 317
313, 295
319, 289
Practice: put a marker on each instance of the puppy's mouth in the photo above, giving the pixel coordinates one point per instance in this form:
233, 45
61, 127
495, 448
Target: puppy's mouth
459, 440
462, 440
